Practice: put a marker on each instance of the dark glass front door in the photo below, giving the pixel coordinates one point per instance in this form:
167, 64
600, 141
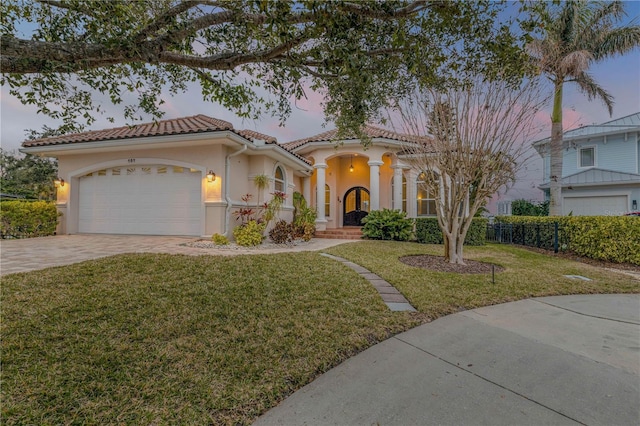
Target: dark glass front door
356, 206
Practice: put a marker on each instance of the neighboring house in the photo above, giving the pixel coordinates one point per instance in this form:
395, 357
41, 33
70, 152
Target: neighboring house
187, 176
601, 168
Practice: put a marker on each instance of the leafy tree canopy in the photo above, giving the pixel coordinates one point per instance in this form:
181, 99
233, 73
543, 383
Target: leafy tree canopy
250, 56
28, 176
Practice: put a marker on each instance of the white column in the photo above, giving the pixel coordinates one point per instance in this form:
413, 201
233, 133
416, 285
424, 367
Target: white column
306, 189
411, 194
397, 188
321, 221
374, 184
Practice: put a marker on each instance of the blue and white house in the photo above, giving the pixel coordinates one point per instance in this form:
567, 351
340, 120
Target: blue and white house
600, 169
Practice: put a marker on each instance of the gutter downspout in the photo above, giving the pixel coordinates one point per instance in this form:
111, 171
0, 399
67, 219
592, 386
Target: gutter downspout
227, 164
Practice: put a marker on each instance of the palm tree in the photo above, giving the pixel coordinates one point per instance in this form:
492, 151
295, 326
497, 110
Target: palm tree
576, 34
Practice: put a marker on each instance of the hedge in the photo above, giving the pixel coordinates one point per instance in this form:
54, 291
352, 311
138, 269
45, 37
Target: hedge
27, 219
428, 231
610, 238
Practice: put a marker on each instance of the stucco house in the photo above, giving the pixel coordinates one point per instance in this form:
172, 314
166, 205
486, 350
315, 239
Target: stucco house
187, 176
600, 169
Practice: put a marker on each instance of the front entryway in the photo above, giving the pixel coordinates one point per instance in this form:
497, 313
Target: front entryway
356, 206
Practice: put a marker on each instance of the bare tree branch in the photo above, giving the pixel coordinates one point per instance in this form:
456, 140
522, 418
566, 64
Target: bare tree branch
479, 140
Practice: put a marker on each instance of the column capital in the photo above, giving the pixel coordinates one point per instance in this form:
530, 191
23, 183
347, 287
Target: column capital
320, 166
375, 163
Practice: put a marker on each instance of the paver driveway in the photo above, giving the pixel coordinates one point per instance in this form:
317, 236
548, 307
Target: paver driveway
37, 253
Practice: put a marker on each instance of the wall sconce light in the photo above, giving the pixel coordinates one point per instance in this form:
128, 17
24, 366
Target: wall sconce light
211, 176
58, 182
634, 204
351, 166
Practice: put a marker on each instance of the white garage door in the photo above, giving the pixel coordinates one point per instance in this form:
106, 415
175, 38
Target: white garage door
148, 200
595, 206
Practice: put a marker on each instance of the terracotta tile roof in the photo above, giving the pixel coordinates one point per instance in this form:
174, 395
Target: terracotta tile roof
176, 126
371, 131
253, 135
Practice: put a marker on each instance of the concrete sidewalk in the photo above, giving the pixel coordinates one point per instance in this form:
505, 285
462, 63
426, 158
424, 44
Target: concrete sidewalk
550, 360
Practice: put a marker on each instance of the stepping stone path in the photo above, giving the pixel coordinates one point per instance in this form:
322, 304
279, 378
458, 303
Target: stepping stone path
390, 295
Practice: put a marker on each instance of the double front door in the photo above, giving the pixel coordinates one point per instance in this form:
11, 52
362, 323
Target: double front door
356, 206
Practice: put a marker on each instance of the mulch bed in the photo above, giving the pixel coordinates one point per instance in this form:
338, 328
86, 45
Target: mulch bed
438, 264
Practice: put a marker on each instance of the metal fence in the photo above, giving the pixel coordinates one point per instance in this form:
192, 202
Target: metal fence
548, 236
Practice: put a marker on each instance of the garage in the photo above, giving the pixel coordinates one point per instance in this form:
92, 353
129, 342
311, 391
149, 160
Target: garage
595, 206
144, 200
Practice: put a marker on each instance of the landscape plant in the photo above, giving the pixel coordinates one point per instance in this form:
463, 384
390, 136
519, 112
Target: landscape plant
304, 217
28, 176
428, 231
261, 182
219, 240
27, 219
472, 141
575, 34
528, 208
273, 207
249, 234
282, 232
387, 224
609, 238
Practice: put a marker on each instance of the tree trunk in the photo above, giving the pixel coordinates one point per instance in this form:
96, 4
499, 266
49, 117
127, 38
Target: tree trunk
555, 176
453, 249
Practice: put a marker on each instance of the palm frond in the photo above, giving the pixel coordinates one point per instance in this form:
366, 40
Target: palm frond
593, 90
606, 13
617, 42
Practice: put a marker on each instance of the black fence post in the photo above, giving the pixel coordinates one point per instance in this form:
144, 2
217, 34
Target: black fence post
555, 237
538, 236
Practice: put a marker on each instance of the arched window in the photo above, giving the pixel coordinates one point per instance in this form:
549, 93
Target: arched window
327, 201
279, 183
426, 201
404, 193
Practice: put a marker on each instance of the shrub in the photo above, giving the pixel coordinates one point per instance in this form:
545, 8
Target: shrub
249, 234
282, 232
387, 224
219, 240
527, 208
610, 238
308, 231
428, 231
27, 219
304, 218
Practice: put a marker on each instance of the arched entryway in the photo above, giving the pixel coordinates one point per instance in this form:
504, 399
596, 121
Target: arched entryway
356, 206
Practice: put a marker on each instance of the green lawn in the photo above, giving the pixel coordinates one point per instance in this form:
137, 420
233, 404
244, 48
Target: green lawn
154, 339
526, 274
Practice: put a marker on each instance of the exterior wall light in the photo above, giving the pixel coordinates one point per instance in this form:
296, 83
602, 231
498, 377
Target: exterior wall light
211, 177
58, 182
351, 166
